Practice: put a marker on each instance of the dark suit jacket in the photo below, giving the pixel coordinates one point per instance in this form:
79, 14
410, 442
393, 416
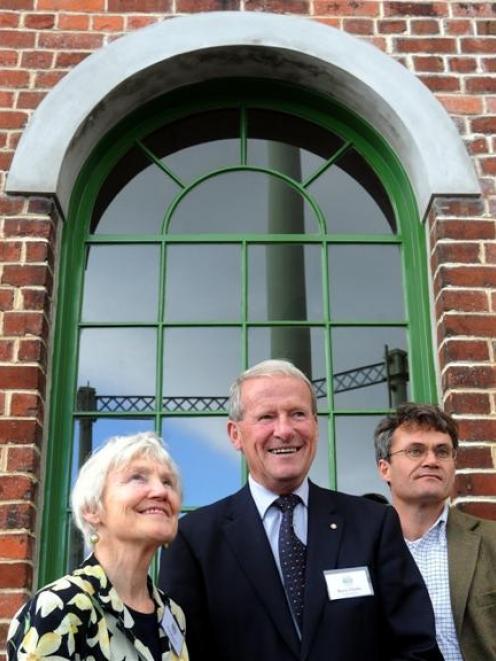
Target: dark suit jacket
221, 571
472, 569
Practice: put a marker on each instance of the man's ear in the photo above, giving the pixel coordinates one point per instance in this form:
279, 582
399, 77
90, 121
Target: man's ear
384, 469
234, 434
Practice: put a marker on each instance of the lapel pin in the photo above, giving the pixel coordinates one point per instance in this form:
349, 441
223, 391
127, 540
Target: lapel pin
333, 526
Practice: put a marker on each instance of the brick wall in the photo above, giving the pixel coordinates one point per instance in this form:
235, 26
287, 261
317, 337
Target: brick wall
450, 46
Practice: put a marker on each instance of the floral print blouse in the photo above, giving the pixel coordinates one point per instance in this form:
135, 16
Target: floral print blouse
81, 617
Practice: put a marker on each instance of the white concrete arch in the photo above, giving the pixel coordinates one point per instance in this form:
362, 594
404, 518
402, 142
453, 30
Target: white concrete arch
140, 66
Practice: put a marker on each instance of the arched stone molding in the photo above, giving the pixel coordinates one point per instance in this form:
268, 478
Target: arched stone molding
140, 66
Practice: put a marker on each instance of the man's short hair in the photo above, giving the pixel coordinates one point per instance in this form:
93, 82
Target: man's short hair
412, 416
267, 368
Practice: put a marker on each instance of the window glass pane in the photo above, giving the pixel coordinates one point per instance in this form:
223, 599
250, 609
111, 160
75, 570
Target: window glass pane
302, 346
203, 283
355, 458
243, 202
209, 465
365, 282
118, 361
134, 198
121, 283
288, 144
360, 375
353, 199
319, 472
284, 282
198, 144
200, 363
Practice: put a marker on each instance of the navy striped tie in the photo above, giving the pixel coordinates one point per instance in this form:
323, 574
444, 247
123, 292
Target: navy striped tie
292, 556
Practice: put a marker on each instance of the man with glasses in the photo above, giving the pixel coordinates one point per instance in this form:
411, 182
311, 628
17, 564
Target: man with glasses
415, 450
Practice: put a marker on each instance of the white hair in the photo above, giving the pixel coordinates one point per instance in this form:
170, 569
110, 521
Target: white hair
88, 489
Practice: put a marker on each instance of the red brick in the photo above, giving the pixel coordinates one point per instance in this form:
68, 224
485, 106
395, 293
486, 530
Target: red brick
482, 429
479, 325
488, 165
34, 299
461, 105
70, 40
15, 574
467, 276
346, 8
458, 252
9, 78
425, 27
16, 487
458, 27
73, 22
459, 207
8, 58
486, 28
275, 6
40, 21
14, 227
69, 59
20, 276
38, 251
10, 602
37, 59
455, 350
19, 324
108, 23
490, 249
48, 79
6, 100
17, 515
9, 20
6, 350
358, 26
17, 39
468, 229
463, 65
481, 45
462, 300
30, 100
484, 124
428, 63
24, 405
482, 509
393, 26
138, 22
475, 456
415, 9
10, 251
16, 4
119, 6
20, 376
20, 431
6, 299
478, 146
441, 83
488, 63
12, 119
16, 547
465, 376
431, 45
472, 9
23, 460
71, 5
31, 351
476, 484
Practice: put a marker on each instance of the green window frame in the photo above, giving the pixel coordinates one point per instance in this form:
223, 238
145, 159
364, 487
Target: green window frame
77, 238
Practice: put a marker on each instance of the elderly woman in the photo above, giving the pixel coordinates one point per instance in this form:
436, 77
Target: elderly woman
126, 502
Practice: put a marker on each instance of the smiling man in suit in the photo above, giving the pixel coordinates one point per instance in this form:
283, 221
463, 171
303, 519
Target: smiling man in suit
285, 570
456, 553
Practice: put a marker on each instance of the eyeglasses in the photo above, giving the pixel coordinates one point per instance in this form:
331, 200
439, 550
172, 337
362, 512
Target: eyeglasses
441, 452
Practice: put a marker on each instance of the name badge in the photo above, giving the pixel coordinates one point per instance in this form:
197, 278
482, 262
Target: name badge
174, 633
346, 583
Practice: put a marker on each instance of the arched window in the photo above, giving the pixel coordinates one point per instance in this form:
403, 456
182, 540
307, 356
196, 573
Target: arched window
214, 229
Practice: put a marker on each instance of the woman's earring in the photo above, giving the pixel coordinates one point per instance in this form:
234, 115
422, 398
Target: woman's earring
94, 538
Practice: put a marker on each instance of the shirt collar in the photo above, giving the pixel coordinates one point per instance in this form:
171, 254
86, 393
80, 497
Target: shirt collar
264, 498
438, 528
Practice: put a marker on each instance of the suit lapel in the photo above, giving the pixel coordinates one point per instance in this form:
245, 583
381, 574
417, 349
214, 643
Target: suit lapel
246, 536
325, 528
463, 551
